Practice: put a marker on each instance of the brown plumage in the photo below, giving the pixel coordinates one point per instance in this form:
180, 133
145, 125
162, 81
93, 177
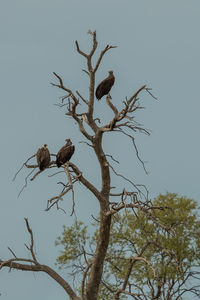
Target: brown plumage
43, 157
104, 87
65, 153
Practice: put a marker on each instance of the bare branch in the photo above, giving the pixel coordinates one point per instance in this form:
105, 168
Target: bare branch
79, 177
26, 182
84, 279
148, 91
108, 155
35, 266
111, 105
32, 241
83, 142
13, 264
86, 72
61, 86
95, 43
55, 200
12, 252
56, 173
85, 182
128, 108
79, 51
24, 164
136, 186
66, 166
136, 150
85, 101
108, 47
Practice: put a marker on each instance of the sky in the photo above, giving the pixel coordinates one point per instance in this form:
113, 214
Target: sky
158, 45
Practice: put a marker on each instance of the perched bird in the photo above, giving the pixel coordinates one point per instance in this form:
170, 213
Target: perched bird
104, 87
43, 157
65, 153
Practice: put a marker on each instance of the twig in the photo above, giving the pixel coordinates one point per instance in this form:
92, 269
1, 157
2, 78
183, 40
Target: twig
86, 72
108, 155
26, 182
56, 173
32, 241
131, 182
12, 252
136, 150
79, 51
83, 142
148, 91
85, 101
24, 164
95, 219
108, 47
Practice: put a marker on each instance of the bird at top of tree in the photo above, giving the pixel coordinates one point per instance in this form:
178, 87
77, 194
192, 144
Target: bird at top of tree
105, 86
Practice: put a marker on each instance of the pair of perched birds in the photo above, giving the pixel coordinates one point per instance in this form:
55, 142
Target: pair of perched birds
66, 152
63, 155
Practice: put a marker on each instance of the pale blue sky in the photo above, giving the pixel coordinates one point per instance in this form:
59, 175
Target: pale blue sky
158, 44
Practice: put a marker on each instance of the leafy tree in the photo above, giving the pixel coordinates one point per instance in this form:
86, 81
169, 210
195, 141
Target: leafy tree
155, 263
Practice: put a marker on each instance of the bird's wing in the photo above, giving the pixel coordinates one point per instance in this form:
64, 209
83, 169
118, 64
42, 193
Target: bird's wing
39, 155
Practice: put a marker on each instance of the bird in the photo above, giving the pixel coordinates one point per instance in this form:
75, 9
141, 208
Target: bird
65, 153
104, 87
43, 157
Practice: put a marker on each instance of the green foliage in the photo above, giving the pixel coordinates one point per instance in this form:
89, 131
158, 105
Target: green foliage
73, 239
160, 257
170, 253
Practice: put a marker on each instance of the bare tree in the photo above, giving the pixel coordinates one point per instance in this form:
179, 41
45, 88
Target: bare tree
123, 122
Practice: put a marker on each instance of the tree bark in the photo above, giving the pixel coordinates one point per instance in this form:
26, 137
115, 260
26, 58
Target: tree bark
105, 223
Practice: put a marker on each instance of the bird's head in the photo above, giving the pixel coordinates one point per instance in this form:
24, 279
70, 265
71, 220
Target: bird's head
45, 146
110, 72
68, 142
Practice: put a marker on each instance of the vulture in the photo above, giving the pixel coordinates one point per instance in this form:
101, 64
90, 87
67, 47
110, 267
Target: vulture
65, 153
104, 87
43, 157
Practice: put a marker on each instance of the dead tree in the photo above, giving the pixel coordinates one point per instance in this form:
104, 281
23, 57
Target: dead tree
123, 122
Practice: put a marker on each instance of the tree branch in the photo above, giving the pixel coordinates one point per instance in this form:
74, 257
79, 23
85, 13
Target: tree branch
86, 183
12, 264
108, 47
35, 266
